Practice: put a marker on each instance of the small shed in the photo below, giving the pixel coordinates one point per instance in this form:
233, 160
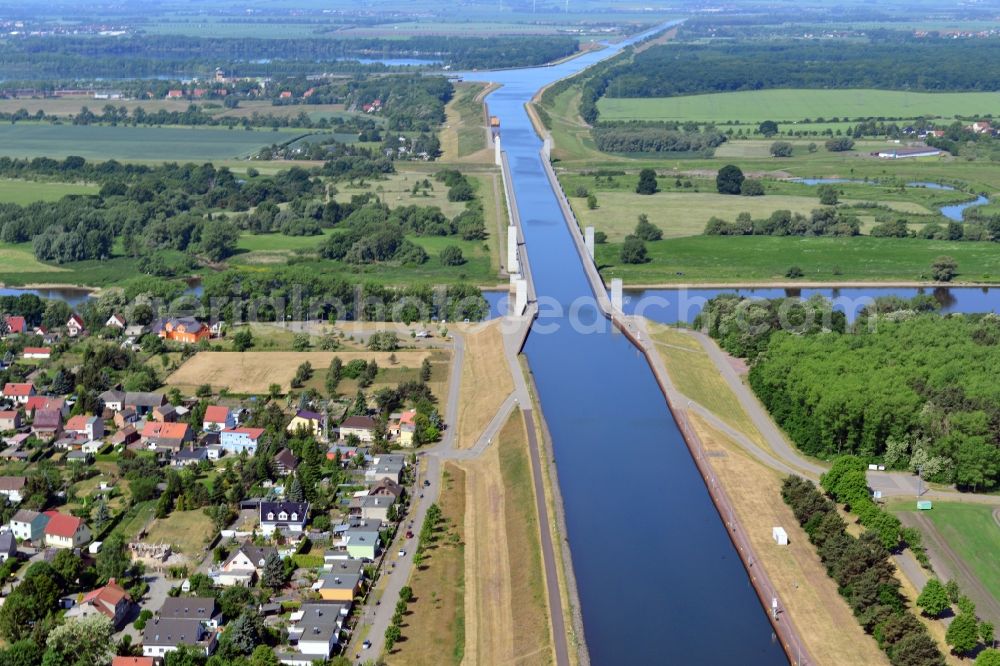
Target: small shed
779, 535
924, 505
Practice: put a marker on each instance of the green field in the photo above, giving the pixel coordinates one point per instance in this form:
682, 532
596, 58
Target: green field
166, 144
19, 258
798, 104
974, 535
736, 259
26, 191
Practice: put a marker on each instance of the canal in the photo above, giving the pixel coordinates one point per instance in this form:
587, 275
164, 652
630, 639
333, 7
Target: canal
659, 581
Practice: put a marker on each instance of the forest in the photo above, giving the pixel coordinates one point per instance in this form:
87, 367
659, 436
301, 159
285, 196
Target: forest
903, 385
126, 57
636, 137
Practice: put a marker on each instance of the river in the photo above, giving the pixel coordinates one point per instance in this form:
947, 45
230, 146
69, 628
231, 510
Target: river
659, 581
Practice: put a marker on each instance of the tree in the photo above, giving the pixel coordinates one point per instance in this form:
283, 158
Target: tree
295, 493
944, 268
963, 633
794, 272
729, 179
273, 575
451, 256
647, 182
916, 648
68, 566
392, 634
781, 149
752, 188
242, 340
300, 342
264, 656
25, 652
425, 370
218, 239
933, 600
768, 128
953, 590
986, 632
839, 144
633, 251
591, 202
84, 641
989, 657
828, 195
246, 632
113, 560
646, 230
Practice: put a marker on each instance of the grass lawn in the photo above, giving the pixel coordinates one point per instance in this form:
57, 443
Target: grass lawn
973, 533
464, 133
187, 531
135, 520
20, 258
760, 258
434, 625
24, 192
797, 104
486, 383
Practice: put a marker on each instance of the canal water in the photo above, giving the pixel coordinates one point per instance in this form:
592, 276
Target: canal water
659, 581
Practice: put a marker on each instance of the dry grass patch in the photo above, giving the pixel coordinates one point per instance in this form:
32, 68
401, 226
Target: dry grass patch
434, 627
187, 531
253, 372
503, 568
822, 617
486, 383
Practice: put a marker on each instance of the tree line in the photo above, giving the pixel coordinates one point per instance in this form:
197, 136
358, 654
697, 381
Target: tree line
821, 222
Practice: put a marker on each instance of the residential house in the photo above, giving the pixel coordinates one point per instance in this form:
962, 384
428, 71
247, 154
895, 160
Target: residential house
203, 609
163, 635
116, 321
407, 427
28, 525
111, 601
238, 440
190, 455
181, 329
244, 566
125, 436
285, 462
91, 427
37, 402
218, 418
143, 403
315, 630
387, 488
126, 417
37, 352
385, 466
362, 540
166, 413
346, 453
371, 507
113, 400
132, 661
15, 324
65, 531
342, 581
8, 546
283, 517
10, 420
309, 421
80, 457
175, 94
19, 393
362, 427
981, 127
166, 436
12, 487
47, 423
74, 326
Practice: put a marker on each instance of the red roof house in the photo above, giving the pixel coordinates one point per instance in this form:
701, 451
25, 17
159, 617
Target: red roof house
65, 531
16, 324
132, 661
111, 601
19, 393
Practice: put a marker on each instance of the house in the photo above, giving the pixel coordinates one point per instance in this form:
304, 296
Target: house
169, 436
190, 455
315, 630
113, 400
309, 421
981, 127
12, 487
244, 566
38, 402
338, 586
74, 326
346, 453
15, 324
37, 352
143, 403
111, 601
203, 609
91, 427
165, 413
175, 94
362, 540
385, 466
285, 94
187, 330
362, 427
8, 546
238, 440
125, 436
80, 456
407, 427
10, 420
283, 517
47, 423
116, 321
19, 393
387, 488
217, 418
372, 507
28, 525
285, 462
132, 661
65, 531
163, 635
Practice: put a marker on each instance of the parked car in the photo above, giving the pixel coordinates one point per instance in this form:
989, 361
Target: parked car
402, 553
426, 483
409, 534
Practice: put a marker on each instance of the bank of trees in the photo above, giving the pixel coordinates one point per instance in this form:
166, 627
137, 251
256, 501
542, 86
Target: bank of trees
654, 138
821, 222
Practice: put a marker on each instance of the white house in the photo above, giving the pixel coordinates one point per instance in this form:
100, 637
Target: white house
28, 525
74, 326
116, 321
283, 516
11, 487
65, 531
218, 418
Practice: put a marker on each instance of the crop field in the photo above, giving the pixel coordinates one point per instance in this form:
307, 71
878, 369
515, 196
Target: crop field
798, 104
132, 143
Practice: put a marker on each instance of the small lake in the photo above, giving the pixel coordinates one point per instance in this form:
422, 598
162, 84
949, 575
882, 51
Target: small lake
954, 212
73, 296
394, 62
672, 306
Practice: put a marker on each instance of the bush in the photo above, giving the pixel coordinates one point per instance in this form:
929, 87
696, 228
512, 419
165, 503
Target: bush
840, 144
452, 256
794, 272
944, 269
647, 182
647, 231
752, 188
781, 149
634, 251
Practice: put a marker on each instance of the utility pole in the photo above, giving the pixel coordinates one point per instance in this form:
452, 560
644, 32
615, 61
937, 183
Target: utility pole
920, 481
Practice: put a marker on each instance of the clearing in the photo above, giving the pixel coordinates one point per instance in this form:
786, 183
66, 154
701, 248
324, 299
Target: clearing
823, 619
20, 258
486, 383
793, 104
434, 624
24, 192
503, 568
187, 531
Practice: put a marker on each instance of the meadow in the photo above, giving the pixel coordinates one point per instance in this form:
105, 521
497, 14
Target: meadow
799, 104
95, 142
23, 192
739, 259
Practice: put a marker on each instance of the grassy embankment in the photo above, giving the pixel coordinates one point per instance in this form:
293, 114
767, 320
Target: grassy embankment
464, 135
486, 383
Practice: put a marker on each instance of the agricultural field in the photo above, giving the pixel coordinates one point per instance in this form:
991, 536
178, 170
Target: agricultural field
754, 106
722, 259
23, 192
95, 142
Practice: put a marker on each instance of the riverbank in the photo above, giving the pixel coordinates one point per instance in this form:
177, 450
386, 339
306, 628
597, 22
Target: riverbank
811, 284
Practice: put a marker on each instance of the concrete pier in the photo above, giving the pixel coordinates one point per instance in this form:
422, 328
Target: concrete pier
588, 240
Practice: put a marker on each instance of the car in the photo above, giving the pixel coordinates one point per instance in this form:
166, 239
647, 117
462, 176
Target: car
402, 553
409, 534
366, 645
426, 483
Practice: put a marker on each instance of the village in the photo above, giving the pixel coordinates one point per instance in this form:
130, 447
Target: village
284, 520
